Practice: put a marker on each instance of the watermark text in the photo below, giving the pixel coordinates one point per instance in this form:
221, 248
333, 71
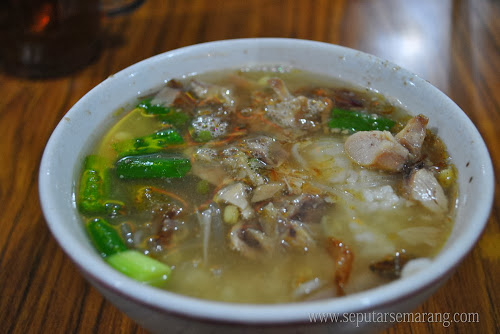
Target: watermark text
445, 318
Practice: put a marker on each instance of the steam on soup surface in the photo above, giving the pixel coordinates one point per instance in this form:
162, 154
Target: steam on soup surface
266, 187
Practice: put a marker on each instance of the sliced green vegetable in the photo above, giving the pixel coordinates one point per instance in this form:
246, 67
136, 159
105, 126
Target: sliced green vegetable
176, 118
168, 115
152, 166
200, 136
140, 267
105, 238
153, 109
149, 144
354, 121
94, 162
203, 136
94, 189
203, 187
129, 262
91, 192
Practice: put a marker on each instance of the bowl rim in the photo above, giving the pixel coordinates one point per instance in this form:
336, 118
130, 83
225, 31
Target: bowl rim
270, 314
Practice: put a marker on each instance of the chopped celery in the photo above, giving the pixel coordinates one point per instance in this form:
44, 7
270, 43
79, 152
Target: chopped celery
94, 189
129, 262
176, 118
149, 144
153, 109
152, 166
140, 267
92, 185
203, 187
94, 162
105, 238
91, 192
203, 136
354, 121
167, 114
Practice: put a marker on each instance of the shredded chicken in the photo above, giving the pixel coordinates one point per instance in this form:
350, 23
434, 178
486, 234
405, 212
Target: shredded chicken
413, 134
299, 112
376, 149
268, 220
210, 93
306, 208
166, 96
236, 194
236, 163
296, 111
297, 235
249, 242
206, 165
424, 188
280, 88
166, 220
266, 191
266, 149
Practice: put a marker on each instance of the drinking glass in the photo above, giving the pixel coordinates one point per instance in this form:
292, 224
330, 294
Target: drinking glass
48, 38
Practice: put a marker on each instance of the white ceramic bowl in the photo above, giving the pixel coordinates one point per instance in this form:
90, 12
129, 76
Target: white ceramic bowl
163, 311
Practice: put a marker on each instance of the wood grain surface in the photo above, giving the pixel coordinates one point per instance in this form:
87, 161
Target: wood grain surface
453, 44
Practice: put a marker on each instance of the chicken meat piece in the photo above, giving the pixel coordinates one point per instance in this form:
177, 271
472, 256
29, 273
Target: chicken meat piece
376, 149
423, 187
307, 208
413, 134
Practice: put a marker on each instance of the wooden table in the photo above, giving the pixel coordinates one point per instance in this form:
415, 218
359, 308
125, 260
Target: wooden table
453, 44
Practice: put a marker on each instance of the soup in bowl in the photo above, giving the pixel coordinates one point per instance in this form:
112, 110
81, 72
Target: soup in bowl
257, 182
